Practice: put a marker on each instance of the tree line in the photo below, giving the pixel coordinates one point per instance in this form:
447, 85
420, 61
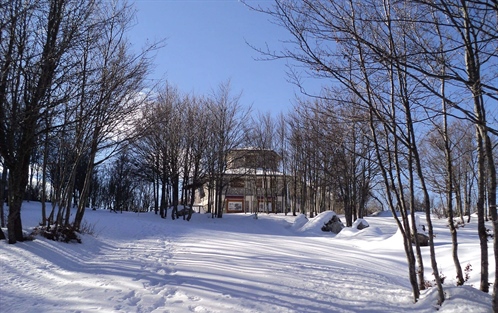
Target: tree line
405, 121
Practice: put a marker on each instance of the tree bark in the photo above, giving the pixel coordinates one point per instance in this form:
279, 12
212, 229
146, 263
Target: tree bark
18, 179
3, 196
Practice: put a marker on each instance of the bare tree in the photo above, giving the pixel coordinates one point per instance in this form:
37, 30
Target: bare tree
262, 139
471, 25
162, 143
34, 66
465, 166
3, 184
299, 162
196, 126
282, 146
359, 45
147, 150
228, 121
443, 145
120, 76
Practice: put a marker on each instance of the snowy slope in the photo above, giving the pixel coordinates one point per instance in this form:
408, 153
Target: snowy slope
276, 263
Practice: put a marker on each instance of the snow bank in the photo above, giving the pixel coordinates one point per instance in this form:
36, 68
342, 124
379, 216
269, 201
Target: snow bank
299, 222
314, 225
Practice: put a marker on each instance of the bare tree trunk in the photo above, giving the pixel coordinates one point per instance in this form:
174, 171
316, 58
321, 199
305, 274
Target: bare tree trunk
18, 179
175, 188
44, 176
294, 195
155, 186
451, 223
481, 227
3, 184
386, 168
78, 219
459, 201
467, 196
210, 196
163, 209
494, 213
449, 194
219, 198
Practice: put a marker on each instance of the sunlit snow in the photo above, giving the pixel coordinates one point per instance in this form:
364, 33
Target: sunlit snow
138, 262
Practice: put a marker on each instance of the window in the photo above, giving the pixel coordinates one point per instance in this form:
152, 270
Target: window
237, 183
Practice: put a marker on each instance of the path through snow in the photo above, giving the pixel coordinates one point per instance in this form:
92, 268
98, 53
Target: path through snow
142, 263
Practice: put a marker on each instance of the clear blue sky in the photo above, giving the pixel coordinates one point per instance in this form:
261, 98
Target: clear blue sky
206, 45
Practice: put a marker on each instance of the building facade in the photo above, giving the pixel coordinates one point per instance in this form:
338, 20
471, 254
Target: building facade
252, 183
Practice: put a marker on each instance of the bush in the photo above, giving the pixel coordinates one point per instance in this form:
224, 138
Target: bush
88, 229
64, 234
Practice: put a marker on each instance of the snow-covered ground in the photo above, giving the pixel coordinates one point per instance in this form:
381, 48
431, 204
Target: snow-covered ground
276, 263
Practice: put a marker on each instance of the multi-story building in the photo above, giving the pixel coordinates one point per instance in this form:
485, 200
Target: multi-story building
253, 182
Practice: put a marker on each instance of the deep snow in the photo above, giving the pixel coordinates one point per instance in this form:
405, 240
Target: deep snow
138, 262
